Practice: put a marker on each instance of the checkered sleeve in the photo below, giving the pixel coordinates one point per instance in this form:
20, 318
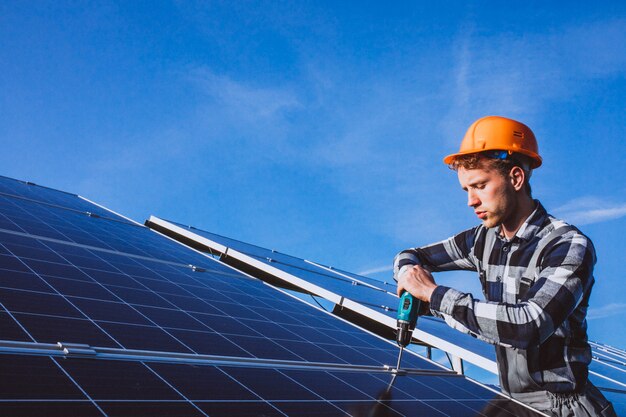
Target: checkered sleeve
563, 276
451, 254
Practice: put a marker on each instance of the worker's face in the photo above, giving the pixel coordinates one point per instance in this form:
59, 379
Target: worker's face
489, 193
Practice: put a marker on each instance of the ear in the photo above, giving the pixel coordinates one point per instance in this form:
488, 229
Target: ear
517, 176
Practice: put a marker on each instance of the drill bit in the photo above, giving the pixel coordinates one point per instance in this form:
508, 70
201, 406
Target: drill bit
399, 358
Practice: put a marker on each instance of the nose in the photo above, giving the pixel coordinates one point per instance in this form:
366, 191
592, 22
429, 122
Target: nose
472, 199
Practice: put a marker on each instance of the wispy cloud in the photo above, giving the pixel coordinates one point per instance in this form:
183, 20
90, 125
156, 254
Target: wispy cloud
376, 270
588, 210
608, 310
519, 75
246, 101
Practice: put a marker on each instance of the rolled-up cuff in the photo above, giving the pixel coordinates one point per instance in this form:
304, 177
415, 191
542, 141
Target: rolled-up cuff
443, 298
401, 271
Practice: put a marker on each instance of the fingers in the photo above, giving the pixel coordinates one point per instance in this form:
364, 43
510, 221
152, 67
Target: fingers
418, 281
400, 290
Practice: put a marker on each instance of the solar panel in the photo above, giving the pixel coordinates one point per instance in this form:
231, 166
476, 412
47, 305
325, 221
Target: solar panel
101, 316
376, 300
371, 299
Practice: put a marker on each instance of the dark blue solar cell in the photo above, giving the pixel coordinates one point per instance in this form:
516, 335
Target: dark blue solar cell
88, 261
270, 384
312, 334
56, 408
209, 343
190, 303
210, 295
462, 391
356, 355
7, 224
499, 407
461, 408
311, 352
139, 297
50, 329
80, 288
320, 321
424, 388
236, 310
144, 337
23, 281
309, 408
171, 318
226, 324
33, 302
326, 385
42, 253
161, 286
10, 263
384, 356
112, 278
137, 270
371, 385
21, 240
40, 229
277, 316
149, 409
205, 383
62, 270
239, 409
34, 377
115, 380
11, 330
272, 330
375, 408
109, 311
262, 347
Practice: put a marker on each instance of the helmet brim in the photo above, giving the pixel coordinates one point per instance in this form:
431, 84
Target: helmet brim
536, 160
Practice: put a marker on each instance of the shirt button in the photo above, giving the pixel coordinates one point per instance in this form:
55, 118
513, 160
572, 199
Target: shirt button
505, 249
498, 279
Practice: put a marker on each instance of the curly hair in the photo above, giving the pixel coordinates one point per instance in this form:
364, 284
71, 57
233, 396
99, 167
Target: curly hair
503, 166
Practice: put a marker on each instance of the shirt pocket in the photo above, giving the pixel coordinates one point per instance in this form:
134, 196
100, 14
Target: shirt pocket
524, 285
494, 290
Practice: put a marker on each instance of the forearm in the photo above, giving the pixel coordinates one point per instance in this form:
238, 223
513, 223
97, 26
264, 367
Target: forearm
447, 255
517, 325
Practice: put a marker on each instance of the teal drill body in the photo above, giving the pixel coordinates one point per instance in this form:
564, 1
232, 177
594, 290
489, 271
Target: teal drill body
408, 309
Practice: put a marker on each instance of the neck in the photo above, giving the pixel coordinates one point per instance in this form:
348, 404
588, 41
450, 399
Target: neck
524, 207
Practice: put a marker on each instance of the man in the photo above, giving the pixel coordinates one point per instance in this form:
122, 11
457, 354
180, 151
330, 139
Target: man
536, 273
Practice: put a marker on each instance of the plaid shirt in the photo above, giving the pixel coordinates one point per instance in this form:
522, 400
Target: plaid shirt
537, 288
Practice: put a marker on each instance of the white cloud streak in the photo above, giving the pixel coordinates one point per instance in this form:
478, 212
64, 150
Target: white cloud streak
386, 268
589, 210
608, 310
248, 102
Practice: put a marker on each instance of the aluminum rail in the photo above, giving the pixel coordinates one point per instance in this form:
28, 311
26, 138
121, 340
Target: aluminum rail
77, 350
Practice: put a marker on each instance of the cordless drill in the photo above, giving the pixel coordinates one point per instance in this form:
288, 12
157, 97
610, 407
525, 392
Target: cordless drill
408, 309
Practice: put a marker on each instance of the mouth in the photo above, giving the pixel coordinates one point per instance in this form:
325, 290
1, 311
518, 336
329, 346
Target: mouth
481, 214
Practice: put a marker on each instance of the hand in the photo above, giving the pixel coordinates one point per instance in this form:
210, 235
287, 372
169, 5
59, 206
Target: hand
418, 281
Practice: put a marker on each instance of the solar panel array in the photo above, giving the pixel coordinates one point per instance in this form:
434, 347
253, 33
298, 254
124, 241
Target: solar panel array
607, 369
372, 299
102, 316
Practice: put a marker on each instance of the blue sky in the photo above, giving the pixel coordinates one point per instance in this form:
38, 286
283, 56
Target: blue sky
318, 128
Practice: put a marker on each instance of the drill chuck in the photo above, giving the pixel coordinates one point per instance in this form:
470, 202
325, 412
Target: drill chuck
403, 335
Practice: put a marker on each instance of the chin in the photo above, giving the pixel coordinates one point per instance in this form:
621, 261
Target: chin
489, 223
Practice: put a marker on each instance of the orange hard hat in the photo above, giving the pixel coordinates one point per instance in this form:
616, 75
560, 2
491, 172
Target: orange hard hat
499, 133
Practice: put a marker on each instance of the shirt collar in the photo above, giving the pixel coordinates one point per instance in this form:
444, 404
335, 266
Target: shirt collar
531, 225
